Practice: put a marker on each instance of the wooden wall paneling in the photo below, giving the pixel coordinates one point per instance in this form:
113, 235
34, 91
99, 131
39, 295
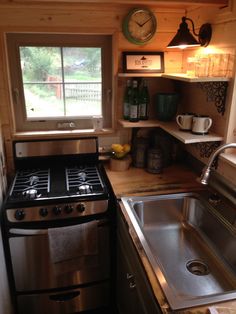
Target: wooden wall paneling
5, 90
149, 2
115, 56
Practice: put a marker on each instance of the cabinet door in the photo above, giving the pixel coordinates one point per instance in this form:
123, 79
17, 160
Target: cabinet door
128, 298
134, 294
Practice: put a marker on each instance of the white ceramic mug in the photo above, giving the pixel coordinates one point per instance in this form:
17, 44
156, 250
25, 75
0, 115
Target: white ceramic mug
201, 124
184, 121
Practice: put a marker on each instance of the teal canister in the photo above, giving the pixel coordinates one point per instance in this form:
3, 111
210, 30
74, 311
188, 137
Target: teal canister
154, 160
166, 105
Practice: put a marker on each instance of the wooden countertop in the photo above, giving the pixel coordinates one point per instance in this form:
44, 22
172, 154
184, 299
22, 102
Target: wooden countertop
138, 182
174, 179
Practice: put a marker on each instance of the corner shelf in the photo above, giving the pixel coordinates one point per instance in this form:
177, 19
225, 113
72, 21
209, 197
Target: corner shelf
190, 79
172, 128
136, 74
177, 76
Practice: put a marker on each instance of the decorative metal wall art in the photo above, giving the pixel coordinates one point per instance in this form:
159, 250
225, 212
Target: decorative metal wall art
206, 149
216, 91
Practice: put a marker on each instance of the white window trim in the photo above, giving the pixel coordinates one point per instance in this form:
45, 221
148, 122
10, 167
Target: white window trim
32, 127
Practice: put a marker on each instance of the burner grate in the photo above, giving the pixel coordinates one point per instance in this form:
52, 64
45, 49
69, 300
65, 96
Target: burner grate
31, 184
83, 180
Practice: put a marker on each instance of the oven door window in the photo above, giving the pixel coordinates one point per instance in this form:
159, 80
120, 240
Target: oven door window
34, 270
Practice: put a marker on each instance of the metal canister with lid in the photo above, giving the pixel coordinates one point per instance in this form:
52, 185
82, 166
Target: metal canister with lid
139, 152
154, 160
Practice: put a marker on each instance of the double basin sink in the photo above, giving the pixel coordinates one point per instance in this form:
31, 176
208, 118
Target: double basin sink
190, 242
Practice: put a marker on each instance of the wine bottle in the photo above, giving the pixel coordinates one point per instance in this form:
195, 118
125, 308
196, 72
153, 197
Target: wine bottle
126, 100
144, 100
134, 103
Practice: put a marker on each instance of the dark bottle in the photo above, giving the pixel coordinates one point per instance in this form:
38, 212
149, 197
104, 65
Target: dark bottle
144, 100
134, 103
127, 100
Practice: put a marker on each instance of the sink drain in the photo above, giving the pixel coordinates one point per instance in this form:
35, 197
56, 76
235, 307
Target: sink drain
198, 267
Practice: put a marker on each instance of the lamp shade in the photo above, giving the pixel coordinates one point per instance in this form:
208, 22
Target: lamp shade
183, 38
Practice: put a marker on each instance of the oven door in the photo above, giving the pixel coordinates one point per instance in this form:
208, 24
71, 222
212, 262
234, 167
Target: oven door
34, 270
66, 302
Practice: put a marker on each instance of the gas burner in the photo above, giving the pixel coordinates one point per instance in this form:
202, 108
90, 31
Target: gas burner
83, 180
33, 180
30, 184
82, 176
85, 189
31, 194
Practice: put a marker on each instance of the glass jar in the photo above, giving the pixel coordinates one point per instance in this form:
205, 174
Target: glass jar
191, 62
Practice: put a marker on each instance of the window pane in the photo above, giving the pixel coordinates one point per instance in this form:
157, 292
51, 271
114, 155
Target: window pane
82, 67
40, 64
83, 99
52, 91
44, 100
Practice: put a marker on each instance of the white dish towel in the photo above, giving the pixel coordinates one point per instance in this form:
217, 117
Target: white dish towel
73, 247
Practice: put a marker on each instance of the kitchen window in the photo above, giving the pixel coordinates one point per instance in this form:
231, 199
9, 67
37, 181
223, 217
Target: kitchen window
60, 81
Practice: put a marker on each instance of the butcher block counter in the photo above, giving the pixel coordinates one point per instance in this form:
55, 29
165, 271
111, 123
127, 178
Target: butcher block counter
174, 179
138, 182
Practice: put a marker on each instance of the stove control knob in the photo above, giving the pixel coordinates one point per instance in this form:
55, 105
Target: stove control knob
43, 212
68, 209
81, 207
56, 210
19, 214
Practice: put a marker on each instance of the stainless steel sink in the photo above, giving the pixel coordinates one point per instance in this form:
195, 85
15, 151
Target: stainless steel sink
190, 245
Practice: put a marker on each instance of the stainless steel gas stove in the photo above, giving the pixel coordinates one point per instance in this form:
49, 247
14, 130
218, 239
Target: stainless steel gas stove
59, 186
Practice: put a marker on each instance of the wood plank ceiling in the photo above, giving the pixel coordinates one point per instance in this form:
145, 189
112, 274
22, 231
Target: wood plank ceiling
166, 3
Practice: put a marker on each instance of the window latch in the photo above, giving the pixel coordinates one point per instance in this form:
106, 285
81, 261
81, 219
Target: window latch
66, 125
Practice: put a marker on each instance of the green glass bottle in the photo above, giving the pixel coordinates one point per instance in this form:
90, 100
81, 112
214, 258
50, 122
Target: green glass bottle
144, 100
127, 100
134, 104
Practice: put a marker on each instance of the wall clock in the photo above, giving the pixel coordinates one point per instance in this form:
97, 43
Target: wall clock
139, 26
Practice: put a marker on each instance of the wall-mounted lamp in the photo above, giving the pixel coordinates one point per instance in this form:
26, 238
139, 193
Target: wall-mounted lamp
184, 39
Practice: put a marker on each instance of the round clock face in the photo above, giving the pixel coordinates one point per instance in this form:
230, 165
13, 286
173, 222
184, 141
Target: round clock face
139, 26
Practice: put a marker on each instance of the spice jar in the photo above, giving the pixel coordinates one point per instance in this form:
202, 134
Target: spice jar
154, 160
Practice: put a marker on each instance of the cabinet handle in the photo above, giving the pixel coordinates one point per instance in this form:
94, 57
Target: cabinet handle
132, 285
129, 276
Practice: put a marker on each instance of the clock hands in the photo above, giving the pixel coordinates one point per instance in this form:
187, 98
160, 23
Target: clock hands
141, 25
138, 24
145, 22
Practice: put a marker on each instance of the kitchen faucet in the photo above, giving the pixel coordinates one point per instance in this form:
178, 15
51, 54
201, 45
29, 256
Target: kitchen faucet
207, 169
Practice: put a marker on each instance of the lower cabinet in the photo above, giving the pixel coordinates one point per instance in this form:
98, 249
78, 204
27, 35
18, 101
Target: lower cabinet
134, 294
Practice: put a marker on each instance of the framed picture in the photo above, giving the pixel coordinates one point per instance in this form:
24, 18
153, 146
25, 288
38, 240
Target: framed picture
139, 62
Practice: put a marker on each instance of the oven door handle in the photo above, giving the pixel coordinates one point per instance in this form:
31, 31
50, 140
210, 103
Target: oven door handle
64, 297
27, 232
32, 232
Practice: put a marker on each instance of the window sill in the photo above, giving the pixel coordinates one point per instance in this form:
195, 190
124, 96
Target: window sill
229, 158
59, 134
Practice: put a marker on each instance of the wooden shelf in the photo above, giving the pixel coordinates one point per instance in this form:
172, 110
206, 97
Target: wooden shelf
172, 128
140, 124
140, 74
186, 78
177, 76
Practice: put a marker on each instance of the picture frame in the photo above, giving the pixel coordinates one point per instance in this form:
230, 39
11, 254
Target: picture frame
143, 61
